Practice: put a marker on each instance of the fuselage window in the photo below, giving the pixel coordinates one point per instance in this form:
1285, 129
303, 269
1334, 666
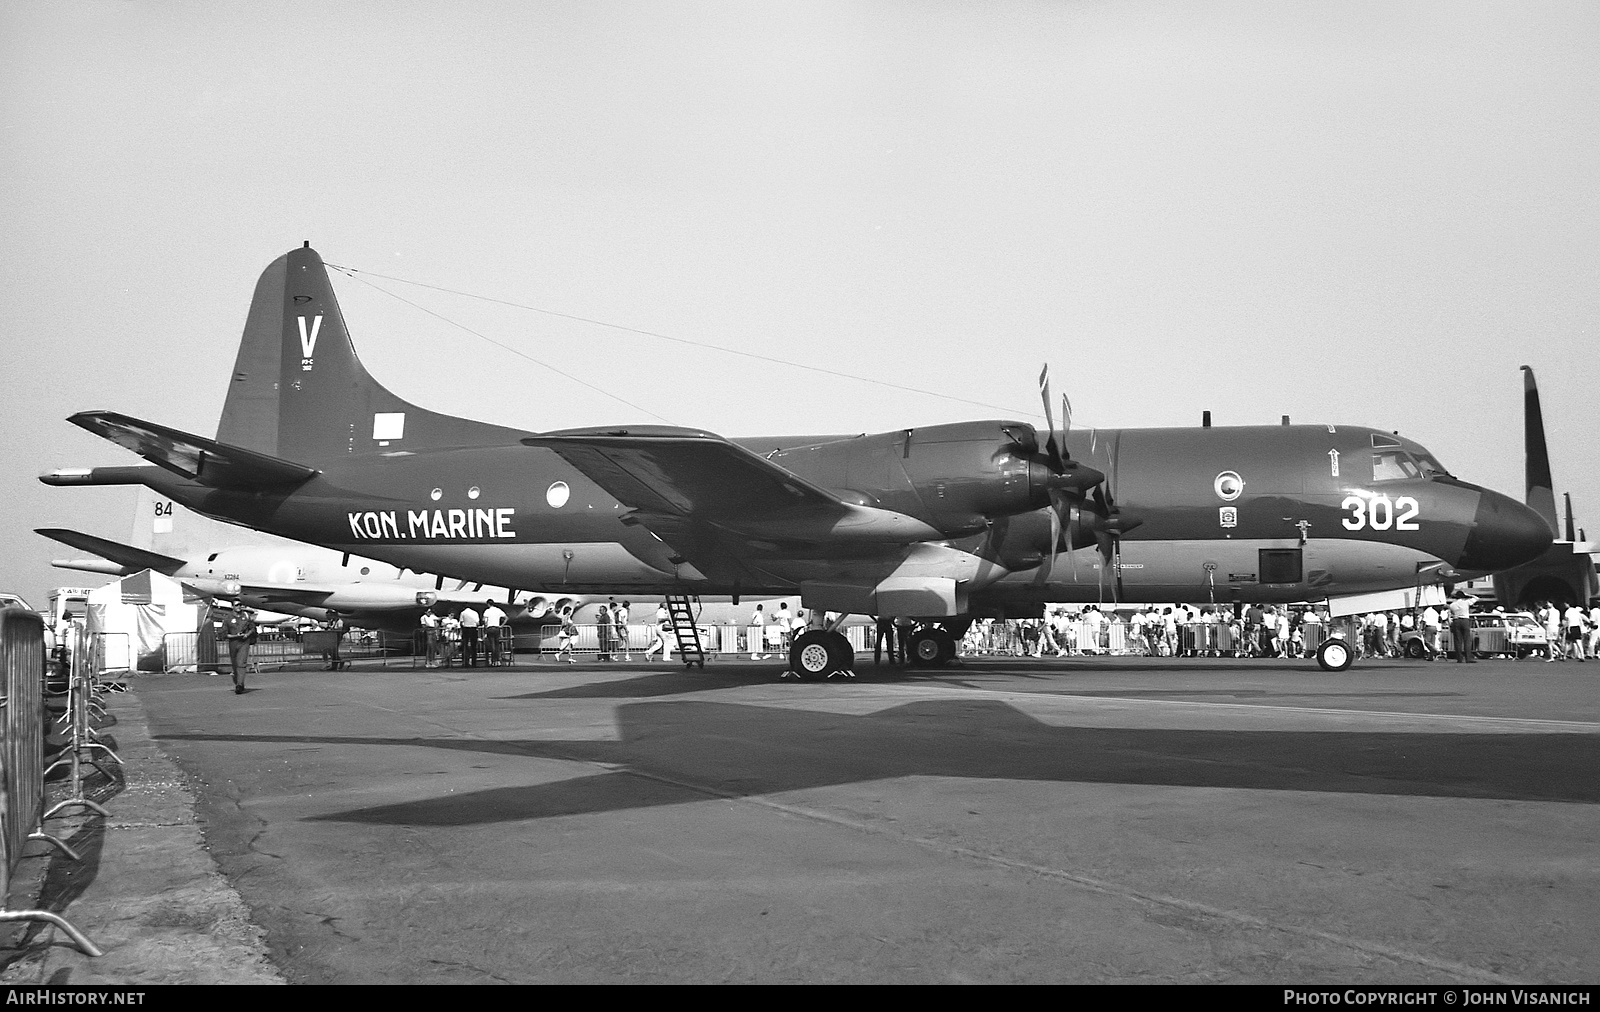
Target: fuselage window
1396, 465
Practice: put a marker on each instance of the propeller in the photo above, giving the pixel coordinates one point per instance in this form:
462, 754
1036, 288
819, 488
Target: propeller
1067, 481
1075, 488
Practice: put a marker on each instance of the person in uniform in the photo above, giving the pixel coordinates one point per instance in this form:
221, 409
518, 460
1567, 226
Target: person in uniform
240, 630
335, 628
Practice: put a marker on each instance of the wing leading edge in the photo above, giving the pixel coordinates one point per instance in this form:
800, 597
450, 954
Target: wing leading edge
669, 476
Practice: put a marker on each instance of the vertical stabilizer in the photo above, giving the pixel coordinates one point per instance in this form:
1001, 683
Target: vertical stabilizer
1541, 490
161, 525
299, 392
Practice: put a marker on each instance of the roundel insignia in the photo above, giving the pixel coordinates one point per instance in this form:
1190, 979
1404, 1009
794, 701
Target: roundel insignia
1229, 486
556, 495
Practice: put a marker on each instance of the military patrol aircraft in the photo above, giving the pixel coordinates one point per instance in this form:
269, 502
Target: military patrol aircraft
940, 523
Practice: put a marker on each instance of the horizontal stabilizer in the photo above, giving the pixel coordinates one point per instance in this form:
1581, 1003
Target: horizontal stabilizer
133, 559
207, 461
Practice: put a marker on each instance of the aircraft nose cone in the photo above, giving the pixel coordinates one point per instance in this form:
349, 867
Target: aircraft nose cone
1505, 533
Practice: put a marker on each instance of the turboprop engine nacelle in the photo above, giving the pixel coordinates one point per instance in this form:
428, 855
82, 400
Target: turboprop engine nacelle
956, 477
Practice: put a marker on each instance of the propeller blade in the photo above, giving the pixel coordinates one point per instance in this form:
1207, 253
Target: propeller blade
1051, 446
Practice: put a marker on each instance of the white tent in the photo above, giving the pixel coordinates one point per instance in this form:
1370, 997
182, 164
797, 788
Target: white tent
138, 618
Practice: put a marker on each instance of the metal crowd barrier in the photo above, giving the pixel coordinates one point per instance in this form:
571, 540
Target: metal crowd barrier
111, 652
22, 752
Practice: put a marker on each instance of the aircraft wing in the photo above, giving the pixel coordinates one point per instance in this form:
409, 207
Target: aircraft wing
133, 559
207, 461
664, 473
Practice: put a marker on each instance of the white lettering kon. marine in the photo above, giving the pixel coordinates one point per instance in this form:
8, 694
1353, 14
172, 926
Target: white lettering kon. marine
447, 525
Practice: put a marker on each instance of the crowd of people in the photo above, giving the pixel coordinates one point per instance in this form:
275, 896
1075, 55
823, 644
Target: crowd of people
1176, 630
462, 632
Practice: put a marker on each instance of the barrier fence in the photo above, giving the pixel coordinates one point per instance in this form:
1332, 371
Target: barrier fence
22, 752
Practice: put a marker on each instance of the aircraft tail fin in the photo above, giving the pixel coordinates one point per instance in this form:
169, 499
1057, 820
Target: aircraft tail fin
1541, 495
299, 392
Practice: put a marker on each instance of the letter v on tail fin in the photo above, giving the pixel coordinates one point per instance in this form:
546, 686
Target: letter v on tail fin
299, 392
195, 457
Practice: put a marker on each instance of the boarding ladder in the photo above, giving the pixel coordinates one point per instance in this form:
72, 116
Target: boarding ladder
682, 611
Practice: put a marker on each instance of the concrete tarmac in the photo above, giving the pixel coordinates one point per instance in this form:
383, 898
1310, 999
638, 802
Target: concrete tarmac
1075, 820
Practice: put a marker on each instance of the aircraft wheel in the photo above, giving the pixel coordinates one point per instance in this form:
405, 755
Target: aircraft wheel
815, 655
1335, 655
932, 647
844, 655
1415, 650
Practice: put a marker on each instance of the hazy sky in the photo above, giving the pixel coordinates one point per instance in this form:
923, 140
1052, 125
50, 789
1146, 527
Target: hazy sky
1357, 213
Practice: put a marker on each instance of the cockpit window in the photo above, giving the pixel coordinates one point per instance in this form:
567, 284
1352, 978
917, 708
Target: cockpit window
1430, 467
1394, 465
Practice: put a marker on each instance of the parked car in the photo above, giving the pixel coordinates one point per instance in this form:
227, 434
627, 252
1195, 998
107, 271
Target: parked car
1512, 634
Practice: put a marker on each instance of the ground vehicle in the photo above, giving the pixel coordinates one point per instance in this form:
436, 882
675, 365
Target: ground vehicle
1515, 634
68, 603
13, 601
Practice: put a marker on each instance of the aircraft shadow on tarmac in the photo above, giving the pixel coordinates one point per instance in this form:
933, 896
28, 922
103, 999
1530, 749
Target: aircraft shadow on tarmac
687, 751
651, 684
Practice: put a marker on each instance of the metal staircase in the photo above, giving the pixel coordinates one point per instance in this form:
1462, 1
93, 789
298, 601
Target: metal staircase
682, 611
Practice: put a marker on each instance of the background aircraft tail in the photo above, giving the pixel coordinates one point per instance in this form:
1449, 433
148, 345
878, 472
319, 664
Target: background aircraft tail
1541, 494
161, 525
298, 391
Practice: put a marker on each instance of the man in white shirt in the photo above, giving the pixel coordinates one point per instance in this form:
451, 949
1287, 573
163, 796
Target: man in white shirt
1573, 619
494, 621
1594, 628
469, 635
1431, 627
1461, 628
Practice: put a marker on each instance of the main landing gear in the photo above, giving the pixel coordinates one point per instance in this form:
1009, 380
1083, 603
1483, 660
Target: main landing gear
817, 655
931, 646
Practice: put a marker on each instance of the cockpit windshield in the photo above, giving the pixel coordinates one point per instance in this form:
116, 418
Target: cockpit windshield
1399, 465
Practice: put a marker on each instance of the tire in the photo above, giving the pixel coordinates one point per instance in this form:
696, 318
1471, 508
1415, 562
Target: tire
932, 647
1335, 655
816, 655
1415, 650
